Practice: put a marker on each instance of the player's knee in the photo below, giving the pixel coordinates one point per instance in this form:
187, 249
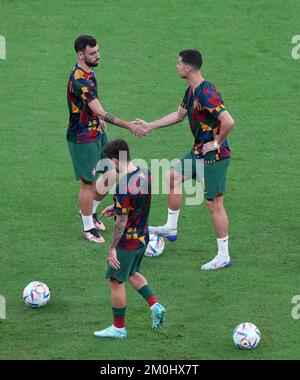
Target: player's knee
220, 200
84, 182
168, 176
131, 280
105, 182
114, 283
171, 177
213, 206
134, 277
111, 177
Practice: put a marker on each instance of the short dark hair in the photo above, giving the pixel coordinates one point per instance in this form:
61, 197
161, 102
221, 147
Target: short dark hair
192, 57
83, 41
114, 147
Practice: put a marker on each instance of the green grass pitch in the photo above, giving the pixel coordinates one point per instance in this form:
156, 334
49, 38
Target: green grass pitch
247, 54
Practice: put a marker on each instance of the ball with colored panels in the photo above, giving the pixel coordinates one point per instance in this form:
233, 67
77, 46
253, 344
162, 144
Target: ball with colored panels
246, 336
36, 294
155, 246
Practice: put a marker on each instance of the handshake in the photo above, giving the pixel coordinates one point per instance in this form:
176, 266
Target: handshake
139, 127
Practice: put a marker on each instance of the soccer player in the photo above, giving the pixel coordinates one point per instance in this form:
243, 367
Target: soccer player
86, 132
210, 125
130, 238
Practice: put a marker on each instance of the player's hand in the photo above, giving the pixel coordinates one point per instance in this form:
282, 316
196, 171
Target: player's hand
112, 258
103, 125
208, 147
143, 124
108, 211
136, 129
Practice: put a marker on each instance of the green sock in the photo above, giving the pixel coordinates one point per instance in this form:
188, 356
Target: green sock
119, 316
147, 293
118, 312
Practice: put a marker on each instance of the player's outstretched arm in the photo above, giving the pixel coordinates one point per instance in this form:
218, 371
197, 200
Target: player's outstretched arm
170, 119
134, 128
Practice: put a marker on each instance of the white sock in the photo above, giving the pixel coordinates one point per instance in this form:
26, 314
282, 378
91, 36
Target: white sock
153, 306
88, 223
223, 246
172, 219
95, 205
119, 328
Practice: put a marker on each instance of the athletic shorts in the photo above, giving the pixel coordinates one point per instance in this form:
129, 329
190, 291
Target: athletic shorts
130, 261
214, 173
85, 158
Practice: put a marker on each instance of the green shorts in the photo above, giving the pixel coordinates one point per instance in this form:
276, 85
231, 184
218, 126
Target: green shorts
214, 173
130, 262
85, 158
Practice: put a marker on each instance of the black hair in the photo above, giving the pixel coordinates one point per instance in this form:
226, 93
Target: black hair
83, 41
114, 147
192, 57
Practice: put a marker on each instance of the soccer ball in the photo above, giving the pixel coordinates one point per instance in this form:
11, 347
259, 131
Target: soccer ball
155, 246
36, 294
246, 336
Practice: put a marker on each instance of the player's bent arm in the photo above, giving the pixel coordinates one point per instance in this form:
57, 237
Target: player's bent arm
119, 227
226, 126
172, 118
97, 108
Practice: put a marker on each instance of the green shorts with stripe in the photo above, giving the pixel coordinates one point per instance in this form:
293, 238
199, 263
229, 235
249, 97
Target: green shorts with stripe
130, 262
85, 158
214, 173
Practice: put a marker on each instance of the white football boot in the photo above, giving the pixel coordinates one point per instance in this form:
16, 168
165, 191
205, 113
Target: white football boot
169, 234
112, 332
217, 262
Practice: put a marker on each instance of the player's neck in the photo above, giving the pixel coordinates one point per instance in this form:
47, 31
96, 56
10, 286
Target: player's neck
84, 66
195, 79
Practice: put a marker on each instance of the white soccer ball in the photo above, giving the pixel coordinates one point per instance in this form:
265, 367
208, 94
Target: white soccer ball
155, 246
246, 336
36, 294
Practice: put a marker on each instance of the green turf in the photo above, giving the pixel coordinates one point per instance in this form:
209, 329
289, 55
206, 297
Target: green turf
247, 54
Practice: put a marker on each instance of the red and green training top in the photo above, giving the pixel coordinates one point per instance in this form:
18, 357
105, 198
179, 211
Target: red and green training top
133, 198
204, 104
84, 126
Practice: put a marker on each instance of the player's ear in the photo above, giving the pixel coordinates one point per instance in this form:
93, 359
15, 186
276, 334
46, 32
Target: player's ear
116, 162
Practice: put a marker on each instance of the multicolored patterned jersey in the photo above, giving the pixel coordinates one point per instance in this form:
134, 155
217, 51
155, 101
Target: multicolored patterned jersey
84, 126
204, 104
133, 198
